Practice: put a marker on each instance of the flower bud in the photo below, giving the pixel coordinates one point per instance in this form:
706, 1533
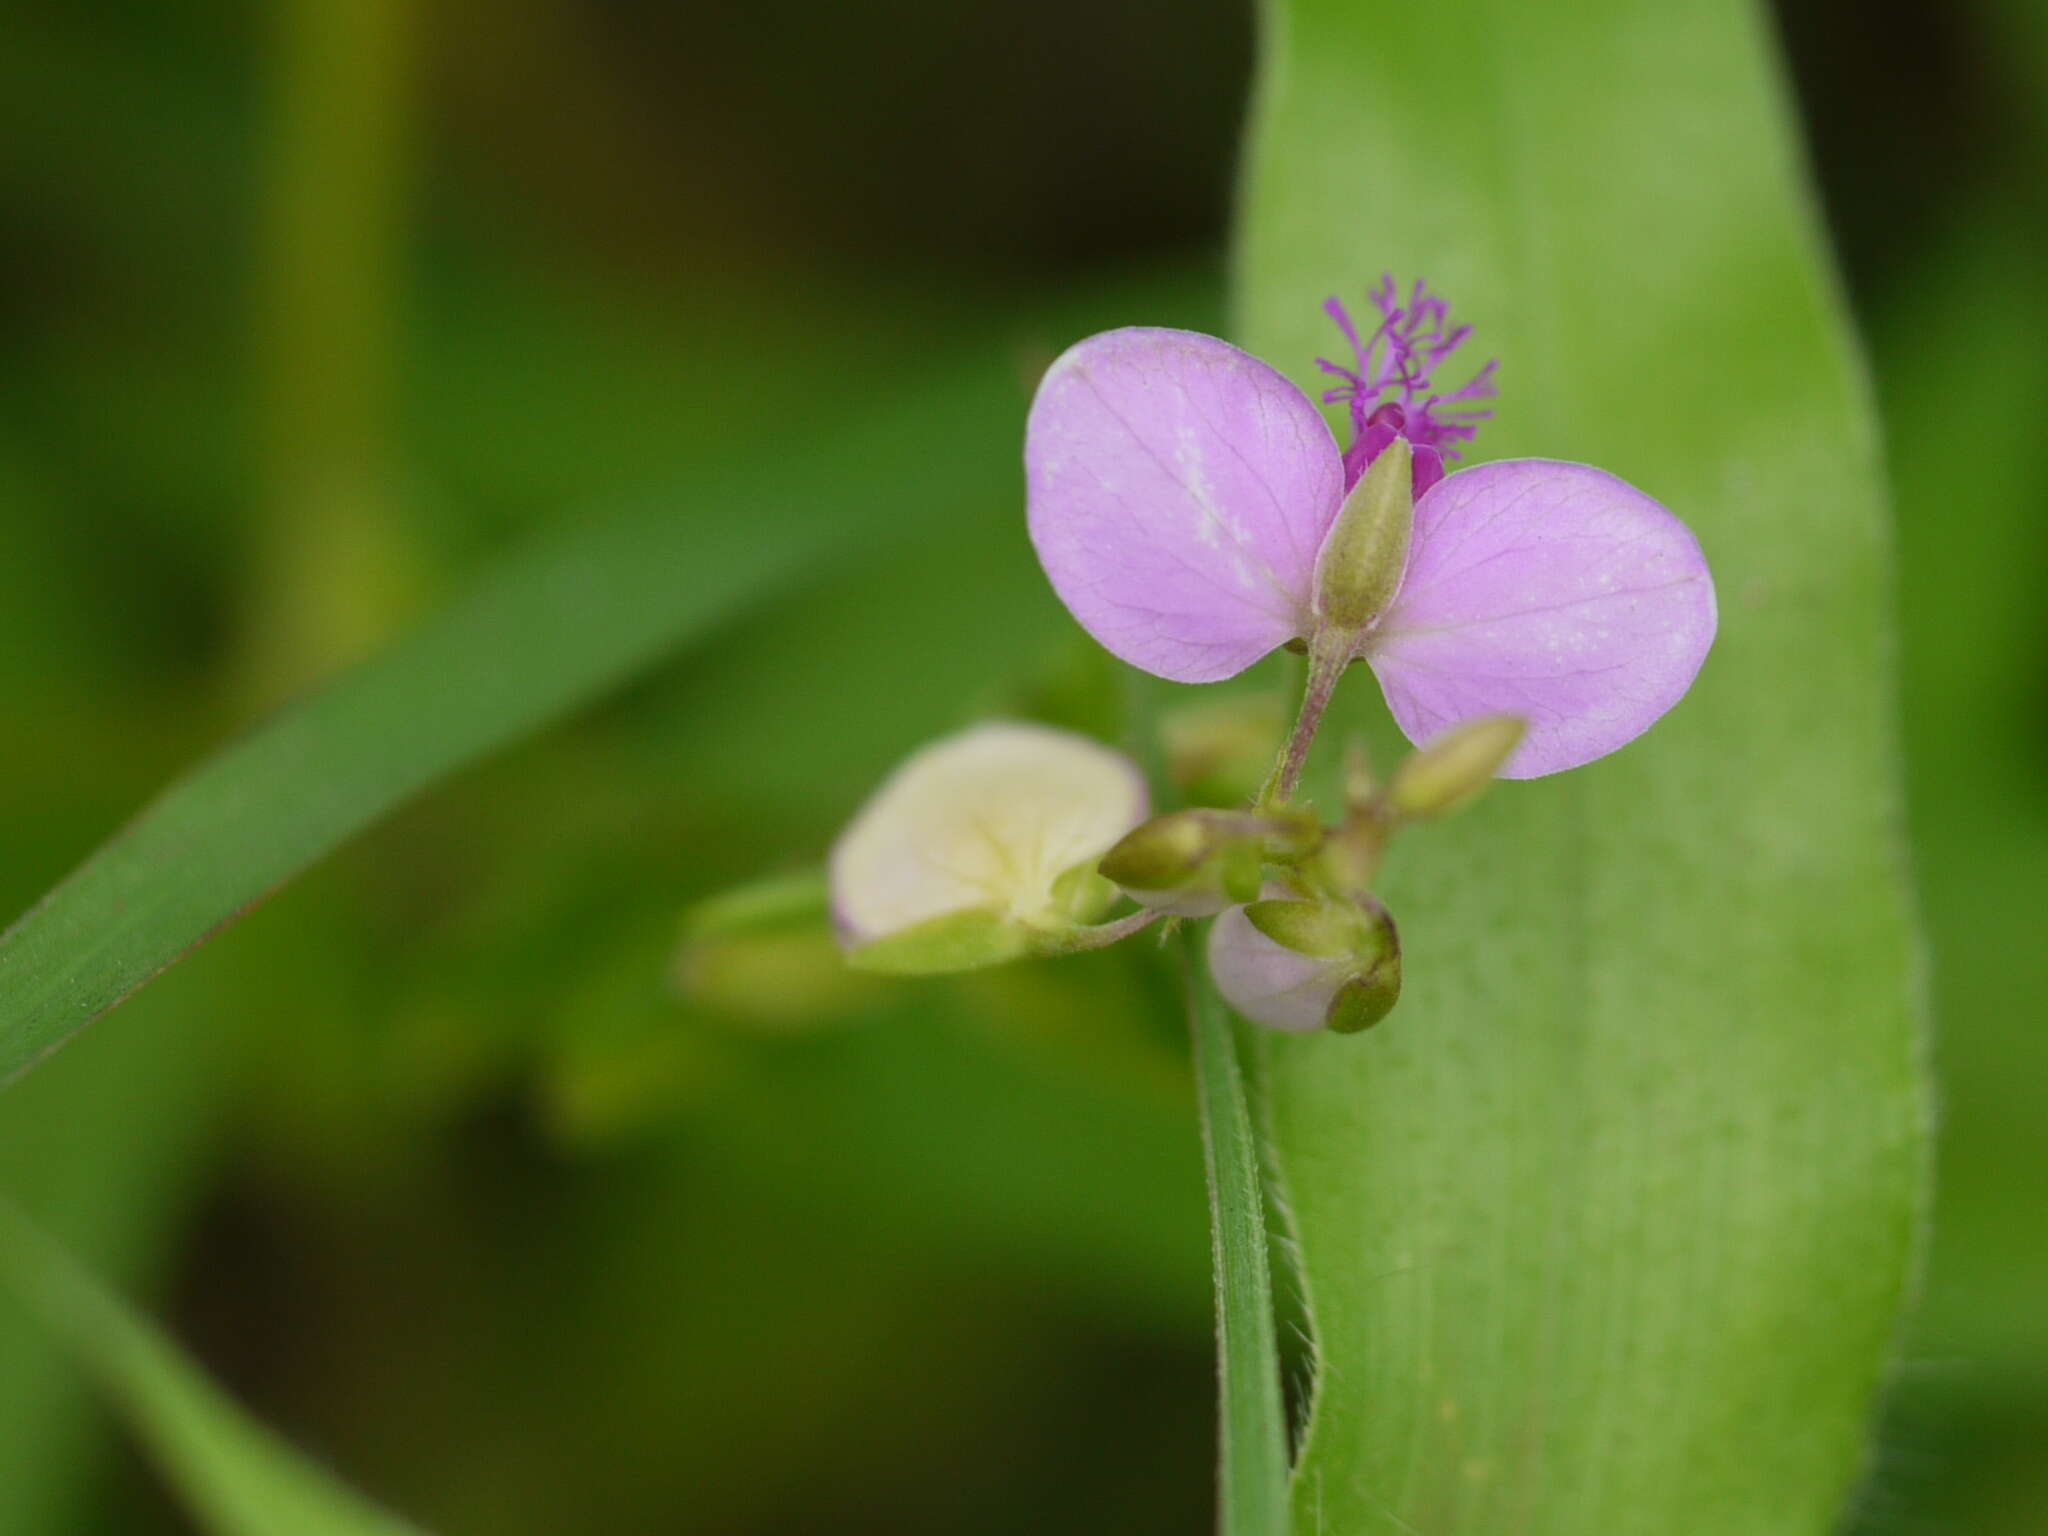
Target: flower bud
1455, 766
1195, 862
1306, 965
1171, 863
1366, 550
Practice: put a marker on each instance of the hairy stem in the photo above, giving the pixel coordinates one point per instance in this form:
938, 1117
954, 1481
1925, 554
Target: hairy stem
1329, 654
1099, 936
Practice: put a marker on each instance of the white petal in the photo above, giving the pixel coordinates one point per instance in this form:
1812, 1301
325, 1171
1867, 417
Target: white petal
989, 818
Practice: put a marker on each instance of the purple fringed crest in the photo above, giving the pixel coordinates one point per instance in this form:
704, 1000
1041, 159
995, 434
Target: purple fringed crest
1403, 354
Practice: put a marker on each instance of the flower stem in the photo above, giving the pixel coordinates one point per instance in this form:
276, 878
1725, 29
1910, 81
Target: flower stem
1329, 654
1252, 1468
1099, 936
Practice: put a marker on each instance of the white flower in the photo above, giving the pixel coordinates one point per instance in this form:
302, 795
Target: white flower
1004, 822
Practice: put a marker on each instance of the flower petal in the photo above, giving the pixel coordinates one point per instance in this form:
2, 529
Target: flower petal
1179, 491
1548, 590
988, 819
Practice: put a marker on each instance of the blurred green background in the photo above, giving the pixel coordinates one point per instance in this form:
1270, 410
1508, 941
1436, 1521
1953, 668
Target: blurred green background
306, 310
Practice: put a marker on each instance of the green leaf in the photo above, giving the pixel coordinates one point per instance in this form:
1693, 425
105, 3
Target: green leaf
1608, 1227
1251, 1481
238, 1477
546, 632
110, 1143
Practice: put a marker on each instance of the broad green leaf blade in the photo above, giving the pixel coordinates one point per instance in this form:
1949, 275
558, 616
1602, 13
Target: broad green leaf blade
1608, 1227
1251, 1483
238, 1477
545, 633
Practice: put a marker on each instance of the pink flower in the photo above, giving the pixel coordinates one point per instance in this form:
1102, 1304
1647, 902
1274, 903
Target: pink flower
1181, 490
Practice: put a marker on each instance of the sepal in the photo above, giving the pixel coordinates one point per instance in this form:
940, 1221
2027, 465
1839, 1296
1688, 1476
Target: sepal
967, 940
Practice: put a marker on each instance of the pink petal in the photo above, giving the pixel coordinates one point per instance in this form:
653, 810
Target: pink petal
1552, 591
1179, 491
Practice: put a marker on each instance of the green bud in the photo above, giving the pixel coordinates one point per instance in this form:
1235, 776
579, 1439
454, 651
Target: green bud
1366, 551
1455, 767
1195, 862
1168, 851
965, 940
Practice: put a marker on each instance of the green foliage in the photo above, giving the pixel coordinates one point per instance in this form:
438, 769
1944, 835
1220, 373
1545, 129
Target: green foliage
1609, 1228
541, 635
238, 1477
107, 1147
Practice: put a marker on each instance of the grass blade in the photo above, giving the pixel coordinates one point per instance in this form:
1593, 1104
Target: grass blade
548, 631
237, 1477
1252, 1469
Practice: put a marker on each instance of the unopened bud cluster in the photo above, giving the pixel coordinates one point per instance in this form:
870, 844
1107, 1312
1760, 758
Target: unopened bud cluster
1196, 862
1301, 943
